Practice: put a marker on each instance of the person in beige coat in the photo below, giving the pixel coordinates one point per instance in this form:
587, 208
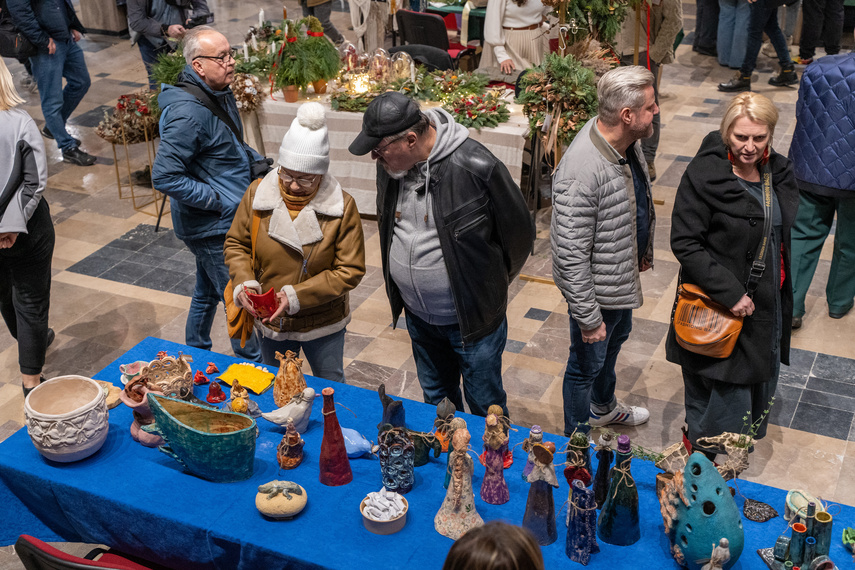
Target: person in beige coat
666, 21
309, 249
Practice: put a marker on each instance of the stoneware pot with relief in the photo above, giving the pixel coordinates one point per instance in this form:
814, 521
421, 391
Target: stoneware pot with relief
67, 418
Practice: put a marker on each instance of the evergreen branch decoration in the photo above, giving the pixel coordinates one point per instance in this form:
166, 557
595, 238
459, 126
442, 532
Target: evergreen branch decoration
167, 67
321, 55
478, 111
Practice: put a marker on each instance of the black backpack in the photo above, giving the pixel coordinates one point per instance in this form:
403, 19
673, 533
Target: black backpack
12, 42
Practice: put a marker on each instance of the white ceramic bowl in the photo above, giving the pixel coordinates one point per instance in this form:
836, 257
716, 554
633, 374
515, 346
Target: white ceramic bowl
67, 418
384, 527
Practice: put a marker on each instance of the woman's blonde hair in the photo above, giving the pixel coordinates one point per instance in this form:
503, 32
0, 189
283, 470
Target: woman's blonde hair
495, 546
8, 95
754, 106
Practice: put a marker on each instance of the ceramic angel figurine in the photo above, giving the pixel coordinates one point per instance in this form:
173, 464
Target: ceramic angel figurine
494, 488
289, 378
508, 455
454, 425
535, 435
539, 517
444, 414
457, 513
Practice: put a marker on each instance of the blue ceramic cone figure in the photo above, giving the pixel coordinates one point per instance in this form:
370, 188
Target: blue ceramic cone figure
582, 527
618, 521
701, 513
539, 517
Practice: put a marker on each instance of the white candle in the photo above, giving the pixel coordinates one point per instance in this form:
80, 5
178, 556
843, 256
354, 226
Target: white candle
254, 42
412, 72
261, 18
245, 51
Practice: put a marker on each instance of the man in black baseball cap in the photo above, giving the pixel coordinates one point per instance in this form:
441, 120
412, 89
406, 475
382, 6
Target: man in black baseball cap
454, 232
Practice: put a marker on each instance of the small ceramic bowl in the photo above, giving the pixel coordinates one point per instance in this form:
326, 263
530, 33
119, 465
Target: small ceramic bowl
384, 527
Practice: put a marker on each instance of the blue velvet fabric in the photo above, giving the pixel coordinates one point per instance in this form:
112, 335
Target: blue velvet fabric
140, 501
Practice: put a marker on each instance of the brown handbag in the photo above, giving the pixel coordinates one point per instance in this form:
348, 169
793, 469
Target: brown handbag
703, 326
240, 321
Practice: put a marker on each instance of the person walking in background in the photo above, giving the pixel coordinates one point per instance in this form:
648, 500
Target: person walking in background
666, 21
53, 27
514, 38
602, 237
309, 249
706, 27
322, 10
823, 153
763, 17
822, 24
717, 226
157, 23
26, 234
204, 166
733, 19
454, 232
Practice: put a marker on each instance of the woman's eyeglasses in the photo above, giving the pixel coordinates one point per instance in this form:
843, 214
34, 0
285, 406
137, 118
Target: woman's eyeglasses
302, 182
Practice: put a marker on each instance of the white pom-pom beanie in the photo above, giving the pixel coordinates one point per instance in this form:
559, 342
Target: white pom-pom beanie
306, 145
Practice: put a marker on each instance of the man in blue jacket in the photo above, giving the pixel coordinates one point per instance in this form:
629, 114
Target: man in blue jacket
53, 27
823, 152
205, 167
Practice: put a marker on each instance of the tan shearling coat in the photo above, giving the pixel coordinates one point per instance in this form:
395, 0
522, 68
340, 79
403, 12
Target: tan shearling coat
314, 259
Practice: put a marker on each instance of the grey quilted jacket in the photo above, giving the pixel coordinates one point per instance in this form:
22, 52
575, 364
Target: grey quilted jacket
593, 234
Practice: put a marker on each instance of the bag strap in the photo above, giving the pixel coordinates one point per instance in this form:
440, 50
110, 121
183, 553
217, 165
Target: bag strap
256, 223
212, 106
759, 266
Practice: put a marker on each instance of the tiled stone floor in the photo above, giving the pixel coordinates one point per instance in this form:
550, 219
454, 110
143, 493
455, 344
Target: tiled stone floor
115, 282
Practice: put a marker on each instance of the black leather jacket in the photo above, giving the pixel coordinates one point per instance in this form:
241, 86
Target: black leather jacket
485, 232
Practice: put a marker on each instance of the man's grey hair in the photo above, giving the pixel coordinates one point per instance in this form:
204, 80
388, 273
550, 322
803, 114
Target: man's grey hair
620, 88
192, 49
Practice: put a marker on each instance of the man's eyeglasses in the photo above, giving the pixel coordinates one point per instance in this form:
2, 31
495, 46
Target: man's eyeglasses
228, 57
381, 150
301, 182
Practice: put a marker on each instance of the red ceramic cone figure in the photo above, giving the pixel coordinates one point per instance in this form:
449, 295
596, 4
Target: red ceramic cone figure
335, 466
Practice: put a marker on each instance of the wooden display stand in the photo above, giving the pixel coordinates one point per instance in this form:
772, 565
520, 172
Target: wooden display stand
148, 202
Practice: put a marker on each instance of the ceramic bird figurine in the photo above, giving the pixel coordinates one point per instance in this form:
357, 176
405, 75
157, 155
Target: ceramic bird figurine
289, 379
299, 409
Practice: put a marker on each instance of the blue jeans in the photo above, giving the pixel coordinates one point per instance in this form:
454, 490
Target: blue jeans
212, 276
441, 358
590, 375
732, 31
763, 17
59, 103
325, 354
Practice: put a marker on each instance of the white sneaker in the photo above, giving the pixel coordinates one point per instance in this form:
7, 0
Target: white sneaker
622, 414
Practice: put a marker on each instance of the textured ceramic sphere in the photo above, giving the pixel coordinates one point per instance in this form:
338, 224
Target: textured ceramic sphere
67, 418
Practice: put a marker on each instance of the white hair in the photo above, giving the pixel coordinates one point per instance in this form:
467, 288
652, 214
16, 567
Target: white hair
192, 49
620, 88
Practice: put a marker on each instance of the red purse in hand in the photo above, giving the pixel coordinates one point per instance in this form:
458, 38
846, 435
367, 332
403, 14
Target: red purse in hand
264, 305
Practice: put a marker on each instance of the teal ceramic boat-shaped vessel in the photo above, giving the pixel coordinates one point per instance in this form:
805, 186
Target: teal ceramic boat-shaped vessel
212, 444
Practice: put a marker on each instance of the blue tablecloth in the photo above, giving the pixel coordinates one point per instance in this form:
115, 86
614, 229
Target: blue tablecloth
140, 501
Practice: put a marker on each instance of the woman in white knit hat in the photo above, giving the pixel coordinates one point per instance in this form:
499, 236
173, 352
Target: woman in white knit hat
308, 248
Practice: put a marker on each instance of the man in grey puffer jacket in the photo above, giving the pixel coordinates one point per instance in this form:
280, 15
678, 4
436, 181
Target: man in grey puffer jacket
602, 236
454, 232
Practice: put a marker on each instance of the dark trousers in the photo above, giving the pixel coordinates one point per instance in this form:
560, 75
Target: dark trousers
149, 55
706, 24
764, 18
25, 289
822, 22
322, 12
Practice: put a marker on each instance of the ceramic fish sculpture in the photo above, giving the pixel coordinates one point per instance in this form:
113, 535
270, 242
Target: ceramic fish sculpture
355, 443
289, 378
699, 511
298, 409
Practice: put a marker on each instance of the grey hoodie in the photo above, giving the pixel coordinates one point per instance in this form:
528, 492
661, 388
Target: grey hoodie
416, 263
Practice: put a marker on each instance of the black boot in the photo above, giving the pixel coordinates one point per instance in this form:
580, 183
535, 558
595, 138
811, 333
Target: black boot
786, 77
738, 83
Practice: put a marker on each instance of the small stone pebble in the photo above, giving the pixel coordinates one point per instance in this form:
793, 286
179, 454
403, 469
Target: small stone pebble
384, 505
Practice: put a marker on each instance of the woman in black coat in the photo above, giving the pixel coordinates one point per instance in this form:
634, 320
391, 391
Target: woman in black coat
717, 227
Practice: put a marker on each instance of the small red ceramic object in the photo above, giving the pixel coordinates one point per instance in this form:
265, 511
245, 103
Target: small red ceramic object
200, 378
212, 369
161, 355
572, 473
215, 394
264, 304
508, 458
